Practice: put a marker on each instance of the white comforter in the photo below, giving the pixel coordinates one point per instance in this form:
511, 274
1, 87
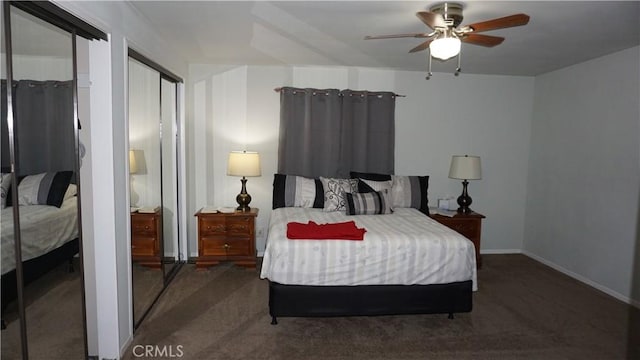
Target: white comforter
43, 228
402, 248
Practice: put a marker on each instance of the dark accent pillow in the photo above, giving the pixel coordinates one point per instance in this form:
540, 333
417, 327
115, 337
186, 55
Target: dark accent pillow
44, 189
371, 203
362, 187
411, 192
297, 191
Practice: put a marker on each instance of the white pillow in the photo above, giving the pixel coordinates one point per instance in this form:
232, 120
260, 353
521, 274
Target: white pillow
334, 190
72, 191
378, 185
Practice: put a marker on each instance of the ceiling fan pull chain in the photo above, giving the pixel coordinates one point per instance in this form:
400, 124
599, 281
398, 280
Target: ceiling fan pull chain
458, 68
429, 71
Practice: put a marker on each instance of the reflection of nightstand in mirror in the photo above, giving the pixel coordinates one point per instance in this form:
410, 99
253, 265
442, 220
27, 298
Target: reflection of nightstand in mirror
146, 235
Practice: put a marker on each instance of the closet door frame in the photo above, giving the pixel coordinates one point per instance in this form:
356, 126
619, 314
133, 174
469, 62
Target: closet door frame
177, 81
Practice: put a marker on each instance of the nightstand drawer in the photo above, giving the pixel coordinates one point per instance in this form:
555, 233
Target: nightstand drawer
217, 246
241, 225
212, 225
144, 246
467, 228
141, 225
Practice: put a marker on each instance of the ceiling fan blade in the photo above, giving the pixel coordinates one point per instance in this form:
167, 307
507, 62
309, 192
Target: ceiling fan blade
422, 46
432, 20
482, 40
501, 23
418, 35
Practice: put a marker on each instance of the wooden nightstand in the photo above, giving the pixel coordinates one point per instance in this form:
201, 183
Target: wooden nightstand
226, 237
146, 235
469, 225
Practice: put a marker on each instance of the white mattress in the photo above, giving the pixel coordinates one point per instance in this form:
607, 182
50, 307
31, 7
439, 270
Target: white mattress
43, 228
403, 248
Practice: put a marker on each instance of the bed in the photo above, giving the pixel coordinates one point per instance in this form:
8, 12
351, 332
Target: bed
49, 237
406, 264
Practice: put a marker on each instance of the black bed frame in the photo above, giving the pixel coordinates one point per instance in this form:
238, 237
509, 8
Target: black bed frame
35, 268
325, 301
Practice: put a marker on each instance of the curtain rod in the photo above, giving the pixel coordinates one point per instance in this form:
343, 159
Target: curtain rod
278, 89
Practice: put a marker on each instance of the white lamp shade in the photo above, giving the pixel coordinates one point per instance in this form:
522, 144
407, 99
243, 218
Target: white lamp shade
465, 167
133, 165
445, 48
244, 163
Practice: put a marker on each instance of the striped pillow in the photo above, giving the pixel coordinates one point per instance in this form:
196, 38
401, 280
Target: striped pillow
4, 189
371, 203
44, 189
297, 191
410, 192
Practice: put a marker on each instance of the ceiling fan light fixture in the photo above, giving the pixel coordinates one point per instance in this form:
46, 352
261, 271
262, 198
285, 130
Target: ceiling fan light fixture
445, 48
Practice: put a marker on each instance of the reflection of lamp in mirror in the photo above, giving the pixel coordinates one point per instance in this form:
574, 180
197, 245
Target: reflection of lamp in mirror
465, 168
243, 163
133, 165
133, 169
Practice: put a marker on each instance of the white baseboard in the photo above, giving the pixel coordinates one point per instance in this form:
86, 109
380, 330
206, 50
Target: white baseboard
604, 289
195, 255
501, 251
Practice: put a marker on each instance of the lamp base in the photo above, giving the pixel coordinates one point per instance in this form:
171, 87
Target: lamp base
243, 198
464, 200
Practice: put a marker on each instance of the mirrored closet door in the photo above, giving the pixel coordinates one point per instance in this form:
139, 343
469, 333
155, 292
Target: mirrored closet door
153, 182
43, 309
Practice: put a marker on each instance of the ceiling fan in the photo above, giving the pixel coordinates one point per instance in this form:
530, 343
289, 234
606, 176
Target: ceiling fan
444, 41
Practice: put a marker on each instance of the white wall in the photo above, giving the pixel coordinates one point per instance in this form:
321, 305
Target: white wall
234, 107
584, 172
27, 67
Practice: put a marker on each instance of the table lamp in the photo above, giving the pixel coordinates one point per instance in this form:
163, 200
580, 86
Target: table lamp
243, 163
465, 167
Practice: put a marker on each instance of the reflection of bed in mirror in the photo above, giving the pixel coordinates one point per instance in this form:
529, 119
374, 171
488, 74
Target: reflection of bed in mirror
49, 237
45, 141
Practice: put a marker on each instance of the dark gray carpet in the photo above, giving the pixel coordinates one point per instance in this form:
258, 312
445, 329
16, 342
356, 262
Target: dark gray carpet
147, 283
53, 305
523, 310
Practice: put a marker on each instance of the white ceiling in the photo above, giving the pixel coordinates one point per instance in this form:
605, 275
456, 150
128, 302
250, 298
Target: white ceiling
329, 33
559, 34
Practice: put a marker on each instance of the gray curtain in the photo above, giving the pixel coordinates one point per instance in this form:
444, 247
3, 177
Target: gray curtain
44, 126
331, 132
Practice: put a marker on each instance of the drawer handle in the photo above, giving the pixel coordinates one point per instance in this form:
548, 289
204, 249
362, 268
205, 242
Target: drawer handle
226, 246
147, 227
216, 228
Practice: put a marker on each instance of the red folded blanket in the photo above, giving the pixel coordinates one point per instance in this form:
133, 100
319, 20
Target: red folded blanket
337, 231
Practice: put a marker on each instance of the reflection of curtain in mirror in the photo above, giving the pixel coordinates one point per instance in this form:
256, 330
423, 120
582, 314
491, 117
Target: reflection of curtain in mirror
43, 117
